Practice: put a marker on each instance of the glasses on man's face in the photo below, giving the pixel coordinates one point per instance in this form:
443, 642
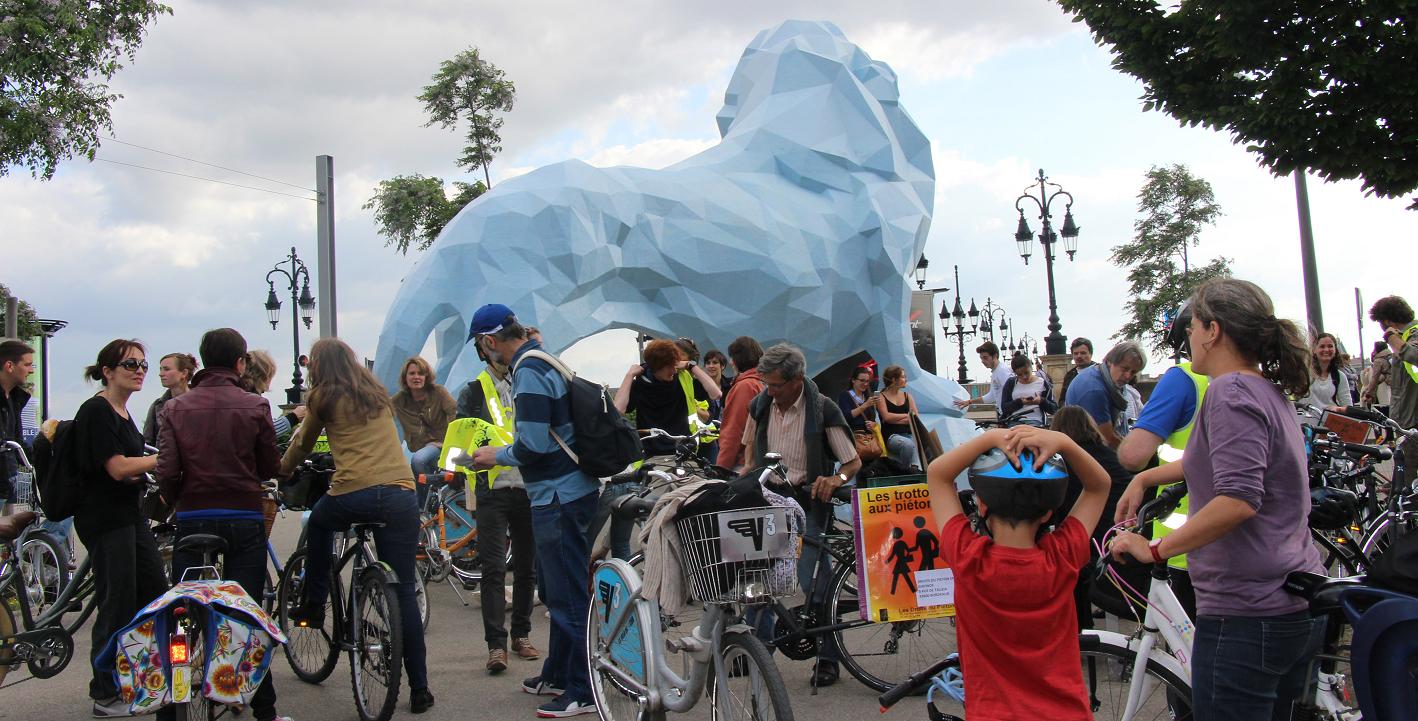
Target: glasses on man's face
133, 365
777, 386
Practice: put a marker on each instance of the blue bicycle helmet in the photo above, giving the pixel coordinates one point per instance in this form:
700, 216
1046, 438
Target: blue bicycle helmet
1018, 492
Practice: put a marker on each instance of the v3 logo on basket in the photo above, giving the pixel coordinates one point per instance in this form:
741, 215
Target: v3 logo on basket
755, 528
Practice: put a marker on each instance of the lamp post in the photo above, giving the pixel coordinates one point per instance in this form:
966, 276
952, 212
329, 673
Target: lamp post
302, 308
1055, 343
959, 314
988, 323
1026, 342
920, 272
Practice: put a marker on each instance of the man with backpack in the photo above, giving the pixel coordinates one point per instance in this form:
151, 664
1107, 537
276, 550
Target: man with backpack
563, 499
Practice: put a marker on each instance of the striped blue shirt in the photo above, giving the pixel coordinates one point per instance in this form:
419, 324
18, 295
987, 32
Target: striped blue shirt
541, 405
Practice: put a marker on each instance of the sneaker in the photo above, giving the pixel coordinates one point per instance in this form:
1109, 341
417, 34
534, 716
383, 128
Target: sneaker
561, 707
524, 649
535, 687
420, 700
111, 707
496, 660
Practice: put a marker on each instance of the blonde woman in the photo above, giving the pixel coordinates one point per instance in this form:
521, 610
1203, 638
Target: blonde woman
260, 369
424, 409
371, 483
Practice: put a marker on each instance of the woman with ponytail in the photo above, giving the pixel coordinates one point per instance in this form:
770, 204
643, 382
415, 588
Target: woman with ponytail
1246, 475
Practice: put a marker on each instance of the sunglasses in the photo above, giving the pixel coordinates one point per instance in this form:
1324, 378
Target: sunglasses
132, 364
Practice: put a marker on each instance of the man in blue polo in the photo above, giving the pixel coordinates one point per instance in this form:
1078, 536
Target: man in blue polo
563, 500
1099, 389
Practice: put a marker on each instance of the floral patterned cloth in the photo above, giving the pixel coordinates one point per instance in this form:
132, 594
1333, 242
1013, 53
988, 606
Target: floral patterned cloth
230, 657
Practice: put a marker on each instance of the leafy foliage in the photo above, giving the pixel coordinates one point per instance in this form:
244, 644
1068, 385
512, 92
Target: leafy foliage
468, 87
56, 57
1174, 206
1307, 84
411, 210
29, 323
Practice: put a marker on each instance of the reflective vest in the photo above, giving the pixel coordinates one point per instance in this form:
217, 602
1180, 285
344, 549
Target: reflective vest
1409, 367
470, 433
686, 383
1172, 452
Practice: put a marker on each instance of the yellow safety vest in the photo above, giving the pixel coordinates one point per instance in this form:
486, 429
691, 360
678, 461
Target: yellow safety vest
1178, 443
470, 433
686, 383
1409, 367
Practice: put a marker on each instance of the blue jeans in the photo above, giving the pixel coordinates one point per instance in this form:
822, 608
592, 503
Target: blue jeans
425, 462
902, 449
620, 528
395, 543
564, 558
1252, 668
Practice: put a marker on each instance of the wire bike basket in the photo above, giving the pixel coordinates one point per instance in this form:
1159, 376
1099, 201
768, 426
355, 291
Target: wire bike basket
742, 556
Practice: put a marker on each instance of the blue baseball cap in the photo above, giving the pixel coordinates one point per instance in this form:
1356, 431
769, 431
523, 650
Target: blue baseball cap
491, 318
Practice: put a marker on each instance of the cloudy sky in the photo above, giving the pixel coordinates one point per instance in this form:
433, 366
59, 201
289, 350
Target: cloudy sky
1002, 89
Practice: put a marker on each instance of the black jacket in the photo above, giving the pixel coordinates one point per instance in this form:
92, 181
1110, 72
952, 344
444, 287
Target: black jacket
12, 408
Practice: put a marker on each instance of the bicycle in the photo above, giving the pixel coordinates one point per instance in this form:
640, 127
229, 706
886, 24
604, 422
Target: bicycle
41, 642
363, 620
43, 557
630, 677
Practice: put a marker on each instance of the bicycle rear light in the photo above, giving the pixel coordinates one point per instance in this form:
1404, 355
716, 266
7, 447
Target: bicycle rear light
177, 648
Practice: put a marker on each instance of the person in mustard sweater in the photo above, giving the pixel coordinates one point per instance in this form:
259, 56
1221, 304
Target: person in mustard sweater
372, 482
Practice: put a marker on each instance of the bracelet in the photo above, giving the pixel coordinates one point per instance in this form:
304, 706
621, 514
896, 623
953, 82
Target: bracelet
1156, 554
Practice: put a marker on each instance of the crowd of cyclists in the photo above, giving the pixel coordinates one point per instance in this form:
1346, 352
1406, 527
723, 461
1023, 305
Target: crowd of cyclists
1223, 421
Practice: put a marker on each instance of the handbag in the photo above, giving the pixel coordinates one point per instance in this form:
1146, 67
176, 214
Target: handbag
868, 445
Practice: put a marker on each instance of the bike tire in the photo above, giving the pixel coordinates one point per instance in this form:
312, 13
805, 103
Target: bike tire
433, 564
458, 522
1107, 676
7, 629
882, 655
1379, 537
377, 648
615, 700
421, 598
312, 652
763, 696
44, 566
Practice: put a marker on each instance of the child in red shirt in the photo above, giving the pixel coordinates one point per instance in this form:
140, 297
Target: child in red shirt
1017, 628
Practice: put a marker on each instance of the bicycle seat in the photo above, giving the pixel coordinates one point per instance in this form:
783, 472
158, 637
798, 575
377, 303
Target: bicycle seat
1321, 591
633, 507
13, 525
364, 526
202, 543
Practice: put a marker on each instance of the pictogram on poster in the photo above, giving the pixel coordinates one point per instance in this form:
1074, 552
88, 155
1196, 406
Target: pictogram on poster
898, 556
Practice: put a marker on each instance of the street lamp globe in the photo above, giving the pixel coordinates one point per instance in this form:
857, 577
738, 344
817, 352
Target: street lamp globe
920, 272
1024, 237
306, 303
1070, 234
273, 307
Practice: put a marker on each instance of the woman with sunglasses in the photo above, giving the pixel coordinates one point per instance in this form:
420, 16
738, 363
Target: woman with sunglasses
108, 449
372, 482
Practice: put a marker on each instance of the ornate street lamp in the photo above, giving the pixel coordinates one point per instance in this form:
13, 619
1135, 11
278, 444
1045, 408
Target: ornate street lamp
302, 310
920, 272
1056, 343
988, 316
959, 314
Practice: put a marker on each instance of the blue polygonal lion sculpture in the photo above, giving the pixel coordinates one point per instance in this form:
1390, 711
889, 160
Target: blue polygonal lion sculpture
800, 225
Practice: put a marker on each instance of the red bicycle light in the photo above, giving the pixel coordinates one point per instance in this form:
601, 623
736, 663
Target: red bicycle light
177, 650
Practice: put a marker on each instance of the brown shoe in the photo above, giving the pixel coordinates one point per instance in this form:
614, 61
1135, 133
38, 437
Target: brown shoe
496, 660
524, 649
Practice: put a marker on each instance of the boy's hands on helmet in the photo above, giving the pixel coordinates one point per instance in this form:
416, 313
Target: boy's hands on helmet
999, 438
1044, 443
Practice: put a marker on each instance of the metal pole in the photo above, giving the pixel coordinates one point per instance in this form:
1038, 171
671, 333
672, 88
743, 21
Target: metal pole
1359, 321
12, 317
1313, 312
293, 396
44, 378
325, 242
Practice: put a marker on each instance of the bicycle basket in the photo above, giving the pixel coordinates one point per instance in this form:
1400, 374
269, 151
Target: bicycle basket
745, 555
24, 489
308, 483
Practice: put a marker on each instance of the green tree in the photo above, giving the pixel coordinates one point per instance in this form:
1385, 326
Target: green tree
56, 57
29, 322
1173, 206
411, 210
1307, 84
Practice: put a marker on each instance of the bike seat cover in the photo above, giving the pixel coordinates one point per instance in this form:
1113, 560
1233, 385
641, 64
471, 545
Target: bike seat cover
12, 526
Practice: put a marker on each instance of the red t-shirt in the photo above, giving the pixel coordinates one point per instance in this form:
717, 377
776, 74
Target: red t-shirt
1017, 628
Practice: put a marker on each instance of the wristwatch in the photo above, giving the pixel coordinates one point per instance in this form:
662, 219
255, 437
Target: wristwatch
692, 365
842, 477
1156, 555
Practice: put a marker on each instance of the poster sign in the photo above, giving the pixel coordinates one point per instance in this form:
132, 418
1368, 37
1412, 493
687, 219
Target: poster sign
899, 569
922, 321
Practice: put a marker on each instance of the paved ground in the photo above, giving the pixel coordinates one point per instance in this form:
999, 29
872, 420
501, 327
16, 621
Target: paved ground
456, 656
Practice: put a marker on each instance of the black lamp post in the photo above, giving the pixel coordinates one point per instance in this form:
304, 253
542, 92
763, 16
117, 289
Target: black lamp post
960, 314
920, 272
1029, 345
302, 307
988, 314
1055, 343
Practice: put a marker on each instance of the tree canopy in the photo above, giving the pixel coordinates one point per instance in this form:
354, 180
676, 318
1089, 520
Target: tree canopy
29, 322
1309, 84
411, 210
1173, 207
56, 57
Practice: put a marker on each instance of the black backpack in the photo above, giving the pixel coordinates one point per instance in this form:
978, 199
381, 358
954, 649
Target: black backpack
605, 441
56, 472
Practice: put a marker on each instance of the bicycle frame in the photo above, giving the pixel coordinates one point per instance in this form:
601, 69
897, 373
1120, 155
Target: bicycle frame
1166, 618
362, 557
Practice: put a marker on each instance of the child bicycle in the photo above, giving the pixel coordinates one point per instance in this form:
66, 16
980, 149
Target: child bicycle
630, 677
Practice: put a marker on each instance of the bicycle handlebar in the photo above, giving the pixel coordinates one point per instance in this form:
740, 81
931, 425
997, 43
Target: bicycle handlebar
20, 451
914, 683
1379, 452
1163, 505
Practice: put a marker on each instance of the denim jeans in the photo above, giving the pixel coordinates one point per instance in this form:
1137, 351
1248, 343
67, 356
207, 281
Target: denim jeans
564, 558
425, 462
902, 449
1252, 668
395, 543
620, 528
128, 574
243, 562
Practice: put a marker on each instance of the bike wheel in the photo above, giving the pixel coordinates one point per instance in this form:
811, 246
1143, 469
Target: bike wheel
609, 653
757, 691
421, 598
432, 562
7, 629
197, 707
1108, 676
459, 522
377, 651
312, 652
45, 569
1379, 537
882, 655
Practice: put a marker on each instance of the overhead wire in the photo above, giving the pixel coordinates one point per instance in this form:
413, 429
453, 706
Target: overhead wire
209, 180
210, 165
